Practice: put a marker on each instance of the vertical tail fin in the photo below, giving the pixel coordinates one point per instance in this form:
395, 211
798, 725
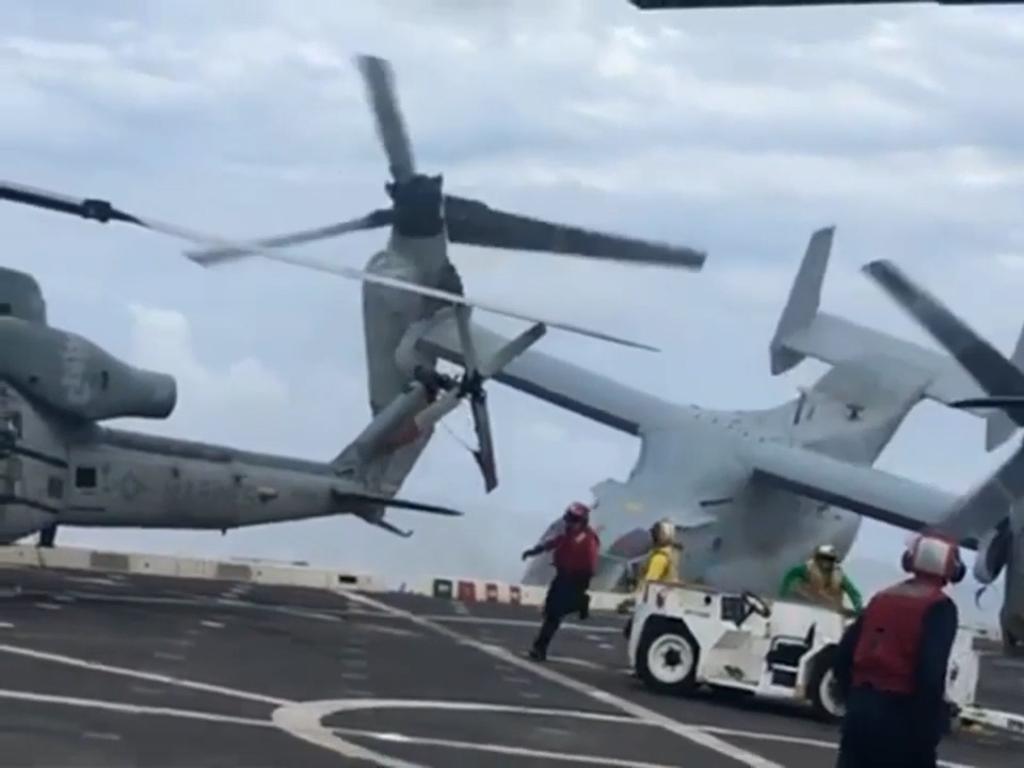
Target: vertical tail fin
999, 426
804, 299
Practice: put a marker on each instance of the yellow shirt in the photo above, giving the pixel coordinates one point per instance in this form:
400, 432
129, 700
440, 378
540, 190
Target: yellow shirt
661, 565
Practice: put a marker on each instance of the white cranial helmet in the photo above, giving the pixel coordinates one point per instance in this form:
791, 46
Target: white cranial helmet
934, 555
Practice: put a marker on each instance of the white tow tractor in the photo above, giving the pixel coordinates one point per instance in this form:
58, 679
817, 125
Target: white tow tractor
683, 637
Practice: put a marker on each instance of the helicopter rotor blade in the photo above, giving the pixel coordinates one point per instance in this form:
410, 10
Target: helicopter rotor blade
381, 217
484, 454
378, 79
476, 223
104, 211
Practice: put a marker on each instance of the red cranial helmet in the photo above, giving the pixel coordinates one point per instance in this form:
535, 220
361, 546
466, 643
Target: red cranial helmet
932, 554
577, 512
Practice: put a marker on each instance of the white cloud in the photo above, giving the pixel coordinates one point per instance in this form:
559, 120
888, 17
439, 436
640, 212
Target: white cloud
736, 132
162, 340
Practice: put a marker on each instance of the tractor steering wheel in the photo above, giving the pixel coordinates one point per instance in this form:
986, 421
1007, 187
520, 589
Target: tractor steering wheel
757, 605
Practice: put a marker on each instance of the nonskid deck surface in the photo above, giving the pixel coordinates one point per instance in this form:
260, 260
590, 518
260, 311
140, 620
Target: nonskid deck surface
105, 669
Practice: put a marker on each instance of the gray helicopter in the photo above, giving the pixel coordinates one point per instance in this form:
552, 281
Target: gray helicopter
58, 466
82, 474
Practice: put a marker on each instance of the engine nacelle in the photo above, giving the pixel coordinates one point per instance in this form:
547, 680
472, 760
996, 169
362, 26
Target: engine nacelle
993, 552
1011, 618
76, 378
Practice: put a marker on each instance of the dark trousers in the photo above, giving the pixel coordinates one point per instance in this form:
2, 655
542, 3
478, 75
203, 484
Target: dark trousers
566, 595
887, 730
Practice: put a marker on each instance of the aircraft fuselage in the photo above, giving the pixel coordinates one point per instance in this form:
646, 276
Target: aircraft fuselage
738, 533
55, 472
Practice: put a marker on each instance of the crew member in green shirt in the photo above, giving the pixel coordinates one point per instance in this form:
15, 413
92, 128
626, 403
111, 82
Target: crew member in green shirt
821, 580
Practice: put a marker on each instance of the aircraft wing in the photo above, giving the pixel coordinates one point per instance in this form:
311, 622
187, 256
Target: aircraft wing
555, 381
862, 489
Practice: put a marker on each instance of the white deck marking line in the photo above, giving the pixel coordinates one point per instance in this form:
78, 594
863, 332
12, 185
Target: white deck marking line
212, 624
6, 625
303, 720
139, 675
94, 580
500, 749
383, 630
690, 732
575, 662
132, 709
206, 602
448, 619
801, 740
49, 606
101, 736
165, 656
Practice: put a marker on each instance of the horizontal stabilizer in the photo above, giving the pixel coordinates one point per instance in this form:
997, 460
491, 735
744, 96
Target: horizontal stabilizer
1008, 403
805, 331
356, 497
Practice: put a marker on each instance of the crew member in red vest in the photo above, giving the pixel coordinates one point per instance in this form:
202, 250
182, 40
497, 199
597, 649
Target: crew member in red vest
892, 662
575, 558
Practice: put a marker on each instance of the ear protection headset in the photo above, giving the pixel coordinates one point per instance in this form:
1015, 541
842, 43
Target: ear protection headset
934, 555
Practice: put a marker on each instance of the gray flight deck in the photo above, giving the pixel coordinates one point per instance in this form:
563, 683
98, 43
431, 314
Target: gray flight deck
101, 669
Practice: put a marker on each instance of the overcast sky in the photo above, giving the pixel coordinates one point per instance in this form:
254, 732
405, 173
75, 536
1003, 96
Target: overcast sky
735, 131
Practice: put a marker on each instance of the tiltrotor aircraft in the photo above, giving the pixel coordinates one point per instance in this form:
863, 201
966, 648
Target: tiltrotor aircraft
57, 384
750, 492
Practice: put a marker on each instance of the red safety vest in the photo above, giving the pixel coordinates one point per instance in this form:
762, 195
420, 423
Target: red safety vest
890, 635
576, 553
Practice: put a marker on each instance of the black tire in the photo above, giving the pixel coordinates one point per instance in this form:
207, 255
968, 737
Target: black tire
667, 657
820, 688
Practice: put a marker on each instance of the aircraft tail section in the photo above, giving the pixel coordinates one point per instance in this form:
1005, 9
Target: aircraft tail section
804, 298
805, 331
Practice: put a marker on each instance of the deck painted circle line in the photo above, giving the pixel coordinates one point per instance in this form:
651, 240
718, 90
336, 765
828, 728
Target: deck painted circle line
6, 625
689, 732
501, 749
304, 721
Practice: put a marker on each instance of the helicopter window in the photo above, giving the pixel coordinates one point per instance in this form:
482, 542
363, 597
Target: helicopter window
12, 424
55, 488
104, 379
5, 308
85, 477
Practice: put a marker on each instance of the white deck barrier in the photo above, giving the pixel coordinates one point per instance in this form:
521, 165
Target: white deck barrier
464, 589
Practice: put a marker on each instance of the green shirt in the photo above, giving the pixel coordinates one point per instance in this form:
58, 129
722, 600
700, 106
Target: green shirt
798, 574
